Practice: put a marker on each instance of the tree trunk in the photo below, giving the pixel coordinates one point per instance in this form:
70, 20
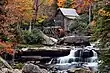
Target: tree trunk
5, 63
35, 8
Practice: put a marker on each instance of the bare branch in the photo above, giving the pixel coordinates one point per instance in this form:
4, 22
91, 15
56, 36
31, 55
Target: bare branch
41, 3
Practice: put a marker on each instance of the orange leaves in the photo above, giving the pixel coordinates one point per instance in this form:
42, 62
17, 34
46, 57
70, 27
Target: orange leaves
15, 11
7, 47
80, 5
74, 3
61, 3
50, 2
87, 2
21, 9
25, 7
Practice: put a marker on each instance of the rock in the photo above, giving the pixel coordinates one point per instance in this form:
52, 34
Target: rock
48, 40
44, 71
6, 70
108, 35
31, 68
17, 71
76, 40
79, 70
1, 71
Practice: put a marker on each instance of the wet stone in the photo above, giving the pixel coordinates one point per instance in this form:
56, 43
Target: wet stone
31, 68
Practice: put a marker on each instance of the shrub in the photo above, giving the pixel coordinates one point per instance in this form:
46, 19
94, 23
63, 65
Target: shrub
18, 66
32, 38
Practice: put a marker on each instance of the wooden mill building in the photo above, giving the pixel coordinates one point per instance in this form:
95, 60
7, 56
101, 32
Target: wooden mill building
65, 17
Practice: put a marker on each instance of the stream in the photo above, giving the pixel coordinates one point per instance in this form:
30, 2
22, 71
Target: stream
79, 57
60, 59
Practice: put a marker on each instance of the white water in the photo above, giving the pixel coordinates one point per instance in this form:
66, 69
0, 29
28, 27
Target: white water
71, 56
68, 61
95, 53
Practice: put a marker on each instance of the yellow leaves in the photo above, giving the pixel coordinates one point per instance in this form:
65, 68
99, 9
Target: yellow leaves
60, 3
80, 5
74, 4
87, 2
103, 12
41, 19
50, 2
22, 8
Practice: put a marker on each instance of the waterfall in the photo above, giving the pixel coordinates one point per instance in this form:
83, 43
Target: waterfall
70, 58
66, 59
78, 55
94, 54
72, 53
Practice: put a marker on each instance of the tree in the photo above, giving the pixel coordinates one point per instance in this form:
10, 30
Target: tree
4, 27
102, 30
12, 14
79, 5
80, 25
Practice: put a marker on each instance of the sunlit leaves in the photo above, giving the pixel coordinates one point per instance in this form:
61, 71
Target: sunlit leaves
50, 2
25, 7
19, 10
80, 5
103, 12
41, 19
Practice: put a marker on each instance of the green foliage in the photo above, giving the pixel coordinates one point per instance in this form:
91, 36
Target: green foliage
68, 3
32, 38
102, 27
80, 25
49, 23
18, 66
105, 64
4, 38
102, 32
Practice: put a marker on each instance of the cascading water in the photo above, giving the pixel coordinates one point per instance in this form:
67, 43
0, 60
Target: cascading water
72, 53
77, 56
92, 62
94, 54
67, 59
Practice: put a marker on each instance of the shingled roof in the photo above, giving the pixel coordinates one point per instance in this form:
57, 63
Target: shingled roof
69, 12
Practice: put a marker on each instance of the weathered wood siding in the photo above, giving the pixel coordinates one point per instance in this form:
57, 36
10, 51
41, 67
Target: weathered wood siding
59, 19
67, 23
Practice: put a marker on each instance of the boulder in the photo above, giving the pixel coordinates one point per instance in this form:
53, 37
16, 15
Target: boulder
44, 71
1, 71
79, 70
76, 40
31, 68
6, 70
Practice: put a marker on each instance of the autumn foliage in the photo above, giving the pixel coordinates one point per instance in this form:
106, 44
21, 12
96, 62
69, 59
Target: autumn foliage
79, 5
6, 47
22, 9
13, 12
